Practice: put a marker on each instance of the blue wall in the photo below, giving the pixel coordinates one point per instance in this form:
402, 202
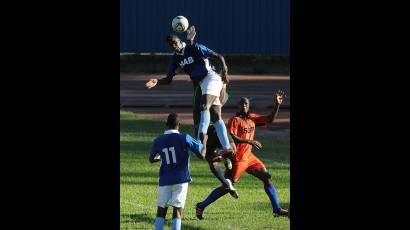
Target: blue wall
225, 26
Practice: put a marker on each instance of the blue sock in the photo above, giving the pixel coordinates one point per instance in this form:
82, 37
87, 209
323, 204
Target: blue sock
159, 223
222, 133
204, 122
176, 224
270, 191
215, 194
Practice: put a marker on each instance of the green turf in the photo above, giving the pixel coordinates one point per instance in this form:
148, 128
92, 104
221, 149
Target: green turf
139, 184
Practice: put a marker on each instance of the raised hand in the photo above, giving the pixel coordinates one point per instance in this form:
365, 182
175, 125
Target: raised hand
191, 33
256, 144
280, 94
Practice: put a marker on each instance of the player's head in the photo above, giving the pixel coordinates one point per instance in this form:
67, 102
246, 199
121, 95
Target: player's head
174, 42
173, 121
244, 105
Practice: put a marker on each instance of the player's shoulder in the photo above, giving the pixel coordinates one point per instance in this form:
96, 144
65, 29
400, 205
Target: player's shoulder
234, 118
253, 115
198, 45
179, 135
159, 139
186, 136
161, 136
195, 44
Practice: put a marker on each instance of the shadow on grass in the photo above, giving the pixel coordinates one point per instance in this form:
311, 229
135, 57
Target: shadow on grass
137, 218
135, 146
140, 218
265, 203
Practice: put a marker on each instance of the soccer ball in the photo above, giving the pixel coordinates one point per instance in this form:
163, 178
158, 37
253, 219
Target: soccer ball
180, 24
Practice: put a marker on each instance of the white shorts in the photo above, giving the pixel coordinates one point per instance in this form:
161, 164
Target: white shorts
212, 85
172, 195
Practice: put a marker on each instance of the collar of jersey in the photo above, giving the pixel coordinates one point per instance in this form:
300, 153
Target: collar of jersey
238, 114
169, 131
183, 49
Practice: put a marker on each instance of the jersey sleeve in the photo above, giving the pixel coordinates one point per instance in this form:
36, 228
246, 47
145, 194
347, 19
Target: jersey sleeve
172, 68
194, 145
259, 120
154, 150
233, 126
203, 50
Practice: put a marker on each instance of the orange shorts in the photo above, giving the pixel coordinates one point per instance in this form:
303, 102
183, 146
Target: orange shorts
239, 167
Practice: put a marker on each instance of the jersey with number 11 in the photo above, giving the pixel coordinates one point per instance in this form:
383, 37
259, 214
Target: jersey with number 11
173, 148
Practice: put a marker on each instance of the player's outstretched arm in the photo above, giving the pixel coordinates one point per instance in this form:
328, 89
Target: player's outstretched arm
279, 95
173, 69
254, 143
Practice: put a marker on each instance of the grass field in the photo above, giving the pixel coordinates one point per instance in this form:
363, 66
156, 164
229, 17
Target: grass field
139, 183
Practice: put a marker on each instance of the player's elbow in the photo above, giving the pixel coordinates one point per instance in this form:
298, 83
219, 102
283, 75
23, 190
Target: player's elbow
217, 55
220, 57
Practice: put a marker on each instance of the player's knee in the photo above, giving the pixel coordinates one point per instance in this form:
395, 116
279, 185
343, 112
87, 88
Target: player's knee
215, 117
205, 107
161, 212
214, 165
267, 178
177, 213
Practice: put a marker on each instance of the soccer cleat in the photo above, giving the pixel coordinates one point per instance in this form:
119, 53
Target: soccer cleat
199, 212
281, 212
228, 163
232, 189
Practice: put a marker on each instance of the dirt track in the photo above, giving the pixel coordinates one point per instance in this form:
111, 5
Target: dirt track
158, 102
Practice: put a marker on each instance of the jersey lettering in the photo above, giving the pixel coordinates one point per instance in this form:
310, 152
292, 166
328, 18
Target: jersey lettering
186, 61
172, 150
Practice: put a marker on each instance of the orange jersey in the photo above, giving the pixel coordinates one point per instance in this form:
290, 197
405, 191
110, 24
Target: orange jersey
245, 128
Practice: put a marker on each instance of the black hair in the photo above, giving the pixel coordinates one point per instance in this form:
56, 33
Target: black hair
170, 37
244, 98
173, 120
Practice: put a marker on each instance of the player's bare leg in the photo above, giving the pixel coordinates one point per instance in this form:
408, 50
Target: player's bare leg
160, 220
176, 218
266, 178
